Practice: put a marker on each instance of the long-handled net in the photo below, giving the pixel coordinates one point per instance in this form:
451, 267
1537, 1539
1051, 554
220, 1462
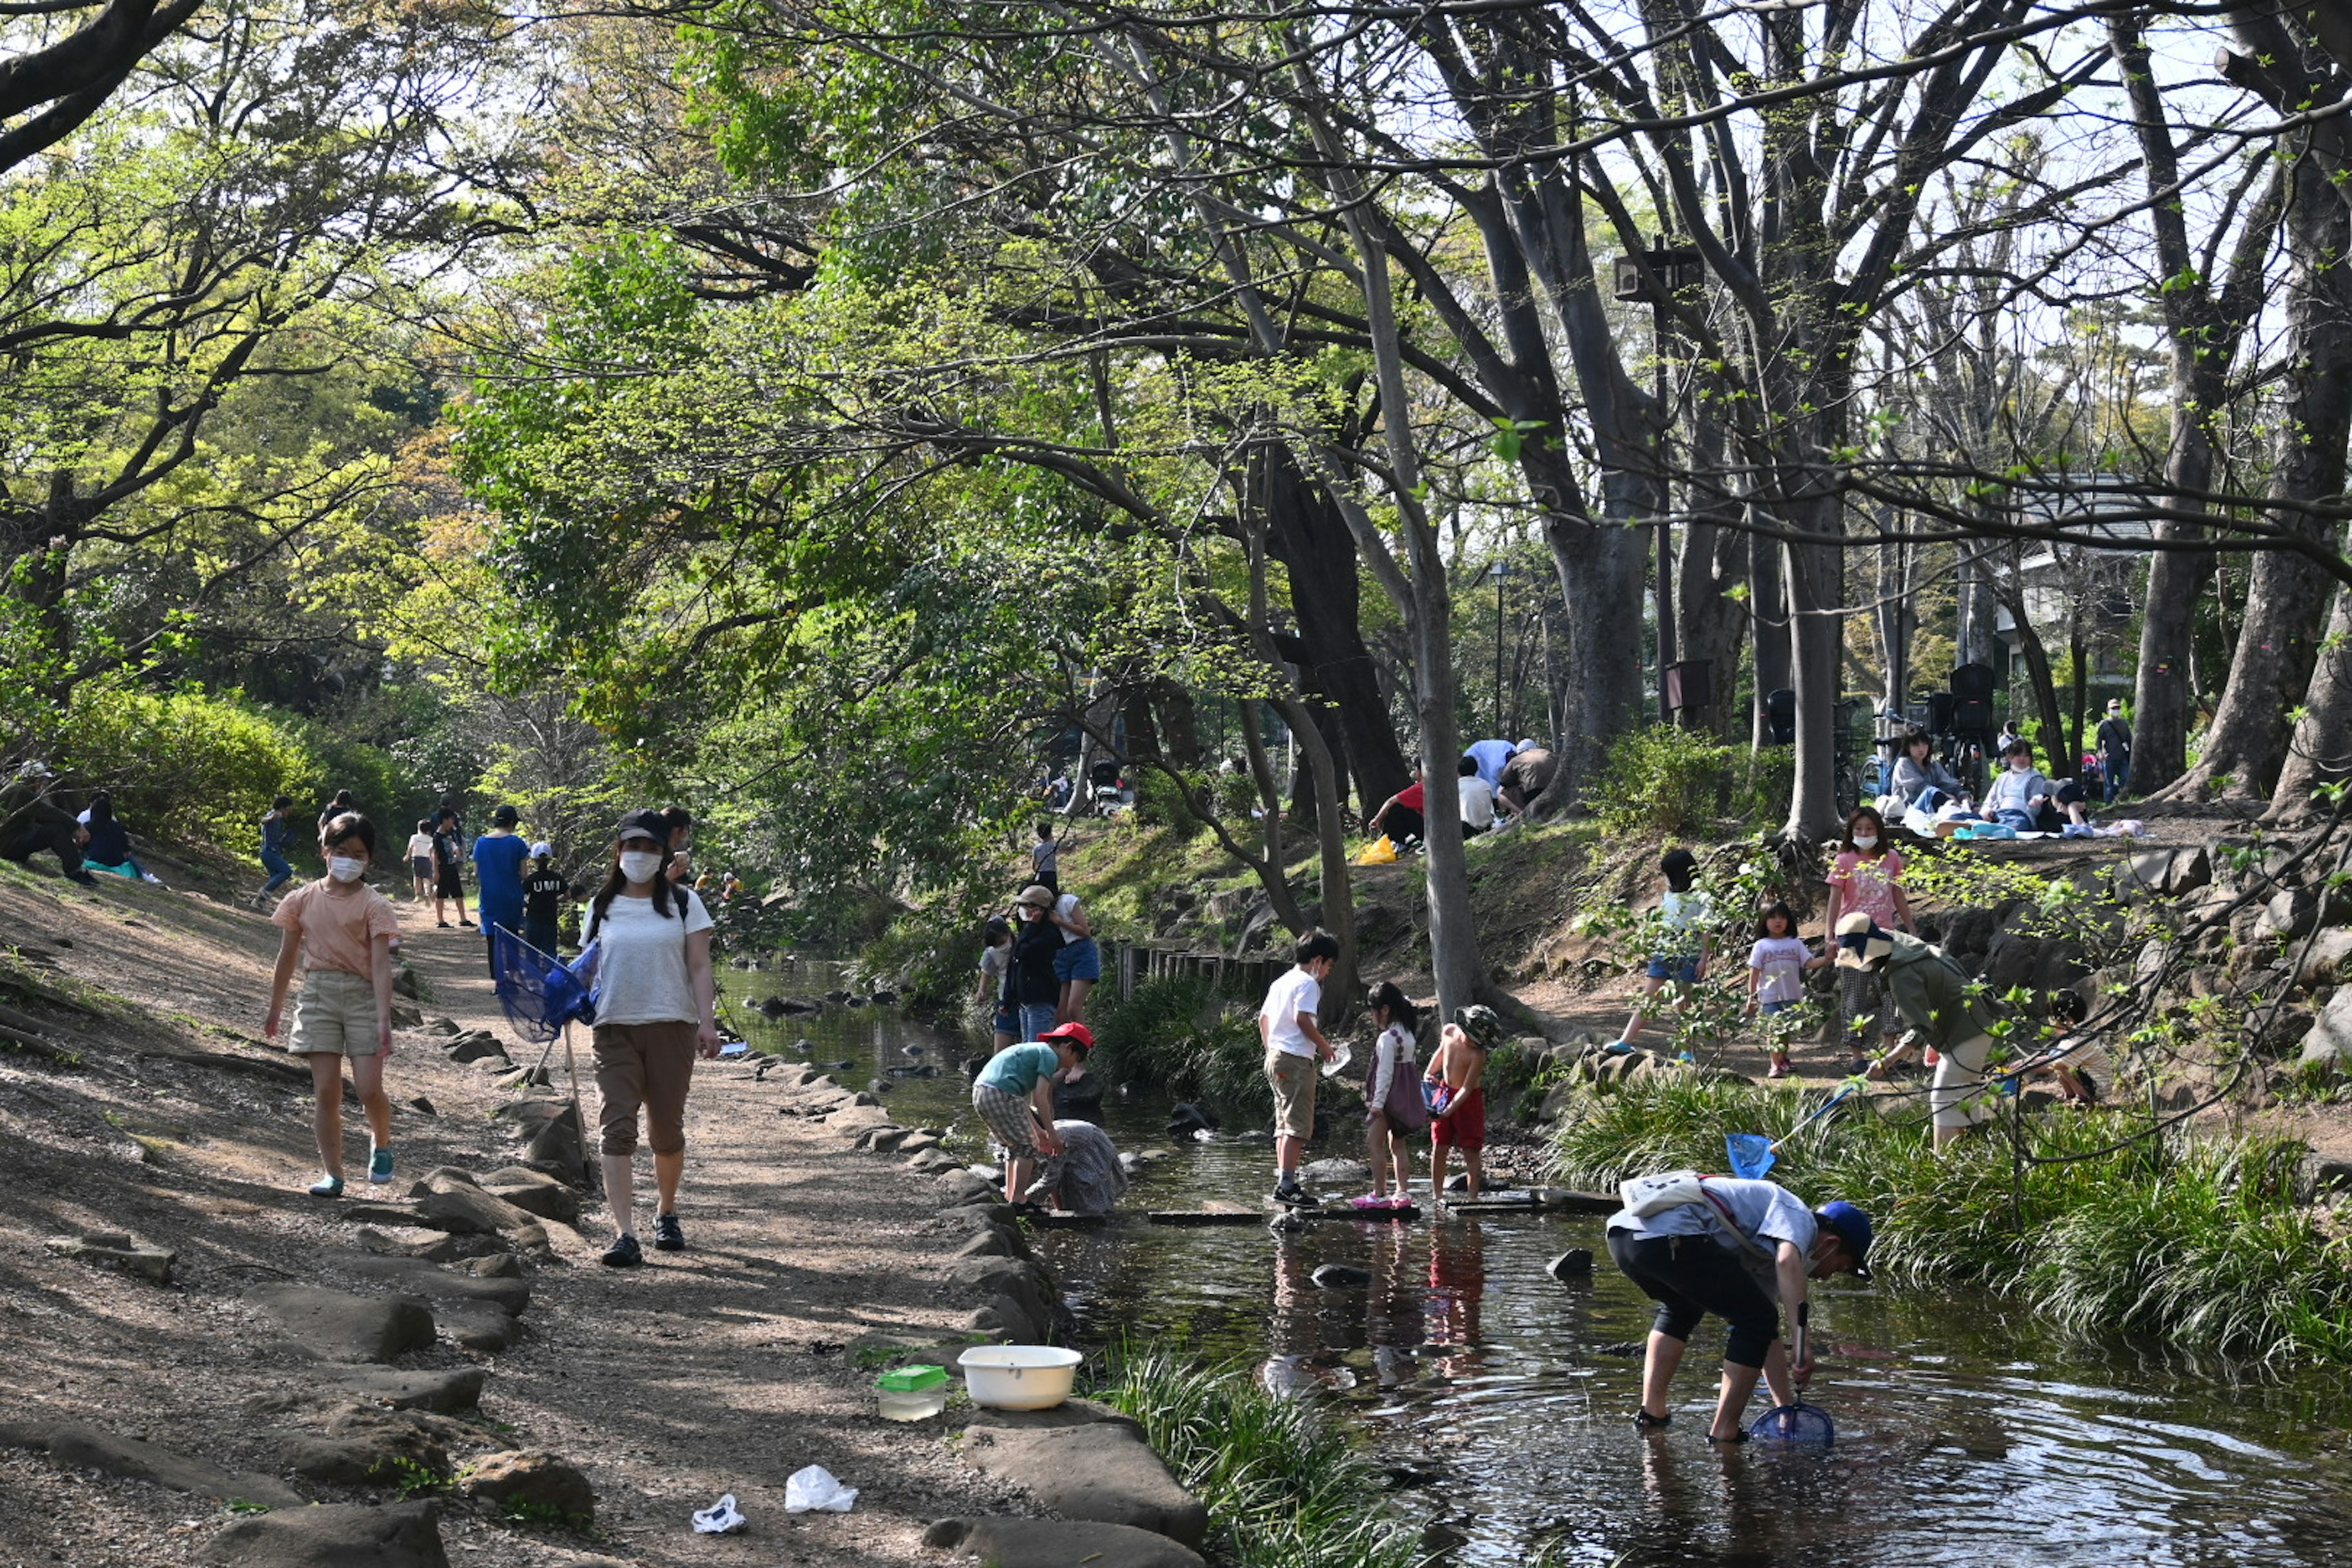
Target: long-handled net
542, 997
1752, 1154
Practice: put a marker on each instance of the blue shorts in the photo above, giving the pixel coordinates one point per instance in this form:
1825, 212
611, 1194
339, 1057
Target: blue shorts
1008, 1019
1079, 960
1664, 966
1773, 1009
1033, 1018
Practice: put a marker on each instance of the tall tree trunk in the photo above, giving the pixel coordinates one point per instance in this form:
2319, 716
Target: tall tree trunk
1179, 723
2287, 595
1714, 561
1817, 641
1307, 534
2320, 750
2075, 654
1768, 598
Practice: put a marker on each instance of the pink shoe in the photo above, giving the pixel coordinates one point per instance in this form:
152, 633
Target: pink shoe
1779, 1070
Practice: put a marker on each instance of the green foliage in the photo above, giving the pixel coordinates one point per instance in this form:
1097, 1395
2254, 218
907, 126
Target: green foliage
2109, 1226
189, 765
1184, 1037
1284, 1488
928, 956
1662, 780
416, 1480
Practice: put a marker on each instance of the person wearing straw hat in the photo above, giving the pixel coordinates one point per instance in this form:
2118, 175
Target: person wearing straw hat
1941, 1001
1743, 1250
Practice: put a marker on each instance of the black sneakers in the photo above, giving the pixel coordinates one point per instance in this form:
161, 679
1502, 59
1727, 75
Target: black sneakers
1288, 1190
623, 1254
667, 1235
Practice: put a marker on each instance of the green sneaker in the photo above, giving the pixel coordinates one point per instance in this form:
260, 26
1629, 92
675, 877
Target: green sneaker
380, 1166
331, 1187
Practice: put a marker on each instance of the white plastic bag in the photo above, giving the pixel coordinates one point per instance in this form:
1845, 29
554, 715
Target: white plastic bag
722, 1518
813, 1488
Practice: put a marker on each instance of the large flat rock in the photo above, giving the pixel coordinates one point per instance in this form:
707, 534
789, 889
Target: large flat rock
337, 1535
1057, 1543
335, 1325
445, 1392
73, 1447
419, 1277
1086, 1467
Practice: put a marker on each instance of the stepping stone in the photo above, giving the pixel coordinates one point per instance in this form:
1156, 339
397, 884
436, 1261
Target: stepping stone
115, 1249
73, 1447
536, 1481
384, 1448
437, 1285
1087, 1463
534, 1192
346, 1535
447, 1393
476, 1045
441, 1248
1057, 1543
479, 1326
963, 1187
335, 1325
469, 1211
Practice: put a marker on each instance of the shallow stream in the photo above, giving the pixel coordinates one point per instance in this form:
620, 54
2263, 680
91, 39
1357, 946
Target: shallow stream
1967, 1431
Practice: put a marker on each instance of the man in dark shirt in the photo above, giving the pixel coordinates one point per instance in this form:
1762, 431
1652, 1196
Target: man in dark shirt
542, 900
2115, 749
448, 854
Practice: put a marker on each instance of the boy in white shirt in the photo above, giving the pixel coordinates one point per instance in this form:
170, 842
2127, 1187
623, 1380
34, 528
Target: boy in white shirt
1478, 798
1294, 1046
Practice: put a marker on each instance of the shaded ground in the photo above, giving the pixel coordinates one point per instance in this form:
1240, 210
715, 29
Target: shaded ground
721, 1370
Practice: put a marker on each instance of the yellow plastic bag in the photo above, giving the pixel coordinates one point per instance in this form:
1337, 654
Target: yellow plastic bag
1378, 852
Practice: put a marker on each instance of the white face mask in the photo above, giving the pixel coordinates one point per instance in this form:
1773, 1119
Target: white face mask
2019, 765
1866, 841
344, 869
640, 865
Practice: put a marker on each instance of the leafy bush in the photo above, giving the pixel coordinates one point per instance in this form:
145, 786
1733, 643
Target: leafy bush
2109, 1226
1185, 1037
190, 766
1662, 780
1283, 1487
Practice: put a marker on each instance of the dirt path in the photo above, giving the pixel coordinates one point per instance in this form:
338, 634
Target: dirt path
722, 1369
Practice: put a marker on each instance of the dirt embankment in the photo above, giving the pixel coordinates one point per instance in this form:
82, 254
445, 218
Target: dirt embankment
722, 1369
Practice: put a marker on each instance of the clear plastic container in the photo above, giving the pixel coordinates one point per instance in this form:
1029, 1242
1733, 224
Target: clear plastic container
912, 1392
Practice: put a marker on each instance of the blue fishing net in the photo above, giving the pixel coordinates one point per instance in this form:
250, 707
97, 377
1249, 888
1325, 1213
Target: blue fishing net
1803, 1425
1750, 1153
540, 994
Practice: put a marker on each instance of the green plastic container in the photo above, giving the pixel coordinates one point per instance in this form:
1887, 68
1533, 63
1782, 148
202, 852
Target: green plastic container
912, 1392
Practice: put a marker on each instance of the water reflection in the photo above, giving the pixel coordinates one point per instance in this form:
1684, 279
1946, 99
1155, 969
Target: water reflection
1966, 1433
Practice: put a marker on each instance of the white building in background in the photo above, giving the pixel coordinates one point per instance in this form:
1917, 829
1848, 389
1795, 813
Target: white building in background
2090, 584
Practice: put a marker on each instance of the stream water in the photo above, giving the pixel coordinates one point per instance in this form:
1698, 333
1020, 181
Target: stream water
1967, 1432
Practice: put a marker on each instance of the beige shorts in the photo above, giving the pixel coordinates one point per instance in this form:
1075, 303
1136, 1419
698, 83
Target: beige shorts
1959, 1079
647, 1066
1293, 1078
335, 1015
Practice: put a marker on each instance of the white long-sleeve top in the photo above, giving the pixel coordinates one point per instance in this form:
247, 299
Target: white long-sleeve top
1392, 1052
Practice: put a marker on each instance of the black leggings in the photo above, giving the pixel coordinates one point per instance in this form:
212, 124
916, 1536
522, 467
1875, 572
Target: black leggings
1690, 1275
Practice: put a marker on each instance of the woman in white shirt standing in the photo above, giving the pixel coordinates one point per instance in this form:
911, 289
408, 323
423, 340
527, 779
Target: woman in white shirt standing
656, 1011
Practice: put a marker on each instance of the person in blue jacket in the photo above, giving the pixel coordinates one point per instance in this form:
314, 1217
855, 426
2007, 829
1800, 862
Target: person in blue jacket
499, 855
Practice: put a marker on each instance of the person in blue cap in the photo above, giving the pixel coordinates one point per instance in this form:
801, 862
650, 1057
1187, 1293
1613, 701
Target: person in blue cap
1744, 1251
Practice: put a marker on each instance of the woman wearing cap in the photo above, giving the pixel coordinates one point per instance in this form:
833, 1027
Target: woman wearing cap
1032, 985
1742, 1250
654, 1013
1939, 999
1015, 1096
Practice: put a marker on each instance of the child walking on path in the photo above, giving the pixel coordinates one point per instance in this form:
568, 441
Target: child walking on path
1456, 1094
1393, 1102
1776, 979
1288, 1027
420, 859
1685, 952
275, 822
341, 931
1046, 859
543, 889
1868, 878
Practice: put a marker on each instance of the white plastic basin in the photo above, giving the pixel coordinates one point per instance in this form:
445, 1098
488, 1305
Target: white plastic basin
1018, 1377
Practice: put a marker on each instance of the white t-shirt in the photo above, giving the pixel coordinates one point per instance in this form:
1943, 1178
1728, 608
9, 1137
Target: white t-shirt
1065, 906
1780, 963
1477, 802
420, 846
642, 976
1297, 992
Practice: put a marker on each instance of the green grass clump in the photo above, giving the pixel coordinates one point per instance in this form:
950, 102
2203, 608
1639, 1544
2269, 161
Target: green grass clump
2202, 1241
1283, 1487
1182, 1036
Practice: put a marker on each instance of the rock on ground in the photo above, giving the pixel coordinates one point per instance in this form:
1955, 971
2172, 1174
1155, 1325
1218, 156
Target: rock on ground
115, 1249
1087, 1463
446, 1393
419, 1278
532, 1484
335, 1325
1057, 1543
337, 1535
73, 1447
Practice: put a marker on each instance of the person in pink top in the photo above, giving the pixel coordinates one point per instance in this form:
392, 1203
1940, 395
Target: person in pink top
1868, 878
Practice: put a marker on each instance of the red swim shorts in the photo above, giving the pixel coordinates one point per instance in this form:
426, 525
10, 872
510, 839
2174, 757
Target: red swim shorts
1465, 1128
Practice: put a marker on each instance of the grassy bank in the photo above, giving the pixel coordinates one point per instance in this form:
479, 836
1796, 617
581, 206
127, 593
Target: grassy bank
1187, 1039
1284, 1488
2203, 1241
